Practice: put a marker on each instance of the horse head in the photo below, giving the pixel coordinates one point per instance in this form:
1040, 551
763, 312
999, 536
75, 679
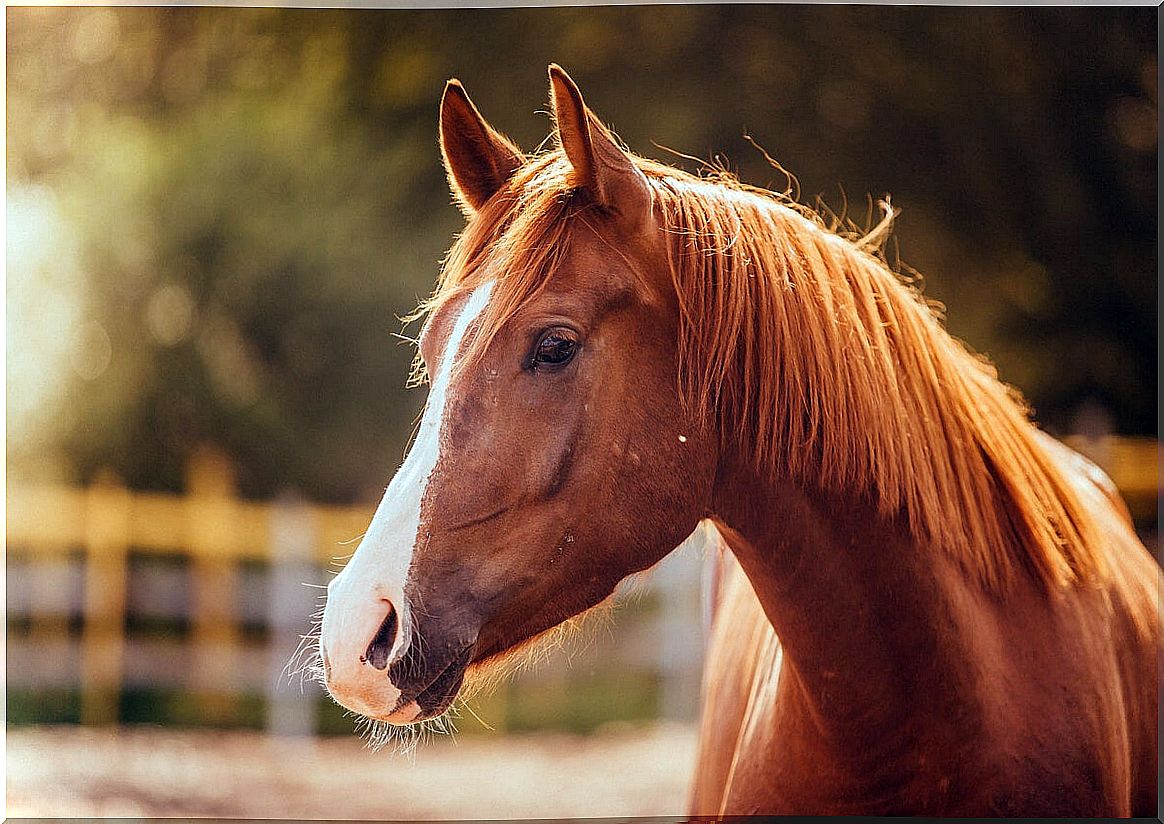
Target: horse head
555, 455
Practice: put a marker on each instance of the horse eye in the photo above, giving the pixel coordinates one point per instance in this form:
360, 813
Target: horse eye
555, 348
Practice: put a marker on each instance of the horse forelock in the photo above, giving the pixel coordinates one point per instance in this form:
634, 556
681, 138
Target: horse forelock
801, 344
517, 239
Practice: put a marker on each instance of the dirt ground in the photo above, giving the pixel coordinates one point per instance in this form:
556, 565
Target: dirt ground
153, 772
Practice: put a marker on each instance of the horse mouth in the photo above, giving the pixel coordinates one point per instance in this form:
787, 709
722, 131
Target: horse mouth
439, 695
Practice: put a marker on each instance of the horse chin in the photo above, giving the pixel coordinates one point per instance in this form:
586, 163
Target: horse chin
494, 666
435, 699
473, 673
401, 716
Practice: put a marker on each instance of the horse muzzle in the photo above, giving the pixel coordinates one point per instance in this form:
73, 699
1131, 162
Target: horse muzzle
355, 645
377, 663
429, 682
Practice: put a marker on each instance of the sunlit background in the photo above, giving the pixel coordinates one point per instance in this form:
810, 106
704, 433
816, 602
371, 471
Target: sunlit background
216, 217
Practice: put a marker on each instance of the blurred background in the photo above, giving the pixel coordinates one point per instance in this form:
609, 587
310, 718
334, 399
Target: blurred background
215, 218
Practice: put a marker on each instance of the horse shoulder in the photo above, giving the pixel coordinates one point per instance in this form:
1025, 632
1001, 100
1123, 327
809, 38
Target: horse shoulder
1131, 630
1087, 476
742, 663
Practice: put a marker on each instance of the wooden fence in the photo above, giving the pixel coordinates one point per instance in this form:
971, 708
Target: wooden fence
48, 526
74, 557
71, 550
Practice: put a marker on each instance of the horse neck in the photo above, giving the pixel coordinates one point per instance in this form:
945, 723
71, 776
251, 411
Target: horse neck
874, 625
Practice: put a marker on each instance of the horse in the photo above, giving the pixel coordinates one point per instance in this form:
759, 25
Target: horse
924, 604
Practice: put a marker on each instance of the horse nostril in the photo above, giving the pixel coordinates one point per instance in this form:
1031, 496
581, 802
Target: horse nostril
381, 646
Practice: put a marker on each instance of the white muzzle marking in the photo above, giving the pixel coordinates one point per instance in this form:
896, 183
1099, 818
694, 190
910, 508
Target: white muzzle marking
372, 583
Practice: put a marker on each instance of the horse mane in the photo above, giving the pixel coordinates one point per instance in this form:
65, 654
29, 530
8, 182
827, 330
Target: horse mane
806, 351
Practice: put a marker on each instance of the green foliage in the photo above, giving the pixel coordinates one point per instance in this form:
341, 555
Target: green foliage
585, 706
42, 706
229, 208
580, 706
177, 708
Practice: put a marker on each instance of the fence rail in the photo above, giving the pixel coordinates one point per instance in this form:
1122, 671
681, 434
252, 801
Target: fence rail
79, 553
71, 552
208, 527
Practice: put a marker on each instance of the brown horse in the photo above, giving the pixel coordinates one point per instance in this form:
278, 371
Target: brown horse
618, 350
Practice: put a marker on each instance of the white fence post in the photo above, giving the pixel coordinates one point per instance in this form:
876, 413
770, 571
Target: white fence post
290, 706
680, 626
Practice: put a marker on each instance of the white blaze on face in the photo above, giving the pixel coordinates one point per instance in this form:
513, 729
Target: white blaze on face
358, 598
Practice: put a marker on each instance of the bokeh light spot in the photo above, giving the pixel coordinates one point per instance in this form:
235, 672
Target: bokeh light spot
1134, 122
169, 314
95, 36
90, 351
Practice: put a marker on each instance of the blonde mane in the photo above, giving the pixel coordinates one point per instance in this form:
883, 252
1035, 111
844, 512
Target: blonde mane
802, 348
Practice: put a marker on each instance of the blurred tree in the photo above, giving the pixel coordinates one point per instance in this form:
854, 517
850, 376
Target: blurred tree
215, 215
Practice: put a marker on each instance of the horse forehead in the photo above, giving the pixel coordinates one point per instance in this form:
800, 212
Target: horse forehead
434, 335
595, 247
603, 264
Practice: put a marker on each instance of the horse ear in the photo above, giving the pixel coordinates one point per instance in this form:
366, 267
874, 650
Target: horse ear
600, 166
478, 158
